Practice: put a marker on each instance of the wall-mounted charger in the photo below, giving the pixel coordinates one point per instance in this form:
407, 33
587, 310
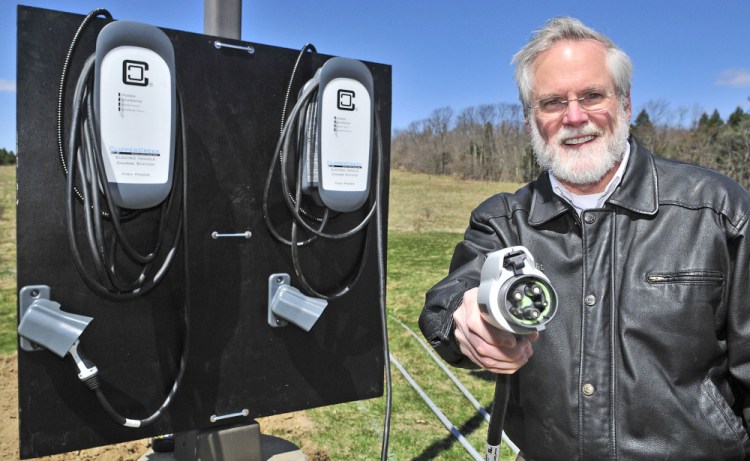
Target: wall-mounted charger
136, 107
337, 133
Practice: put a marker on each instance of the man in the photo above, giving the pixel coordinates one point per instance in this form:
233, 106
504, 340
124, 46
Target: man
648, 355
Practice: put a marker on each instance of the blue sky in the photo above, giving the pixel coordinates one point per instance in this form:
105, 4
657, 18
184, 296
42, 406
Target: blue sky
693, 55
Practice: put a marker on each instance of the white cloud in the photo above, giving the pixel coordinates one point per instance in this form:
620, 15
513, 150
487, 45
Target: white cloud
738, 78
7, 86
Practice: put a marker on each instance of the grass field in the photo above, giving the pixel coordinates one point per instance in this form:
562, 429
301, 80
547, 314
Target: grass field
7, 259
427, 203
426, 219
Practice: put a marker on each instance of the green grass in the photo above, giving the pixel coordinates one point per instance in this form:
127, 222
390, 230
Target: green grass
416, 262
7, 259
427, 216
421, 202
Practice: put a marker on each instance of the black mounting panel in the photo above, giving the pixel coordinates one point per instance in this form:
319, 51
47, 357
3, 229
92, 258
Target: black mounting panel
233, 104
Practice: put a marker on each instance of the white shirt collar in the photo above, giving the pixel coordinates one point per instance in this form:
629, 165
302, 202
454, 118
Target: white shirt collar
591, 201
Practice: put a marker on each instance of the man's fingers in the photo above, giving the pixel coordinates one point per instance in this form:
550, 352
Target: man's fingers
491, 348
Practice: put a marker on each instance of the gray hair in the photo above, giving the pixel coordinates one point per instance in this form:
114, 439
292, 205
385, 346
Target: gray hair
566, 28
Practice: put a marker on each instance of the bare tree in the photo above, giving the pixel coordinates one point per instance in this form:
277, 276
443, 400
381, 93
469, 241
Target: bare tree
439, 124
489, 141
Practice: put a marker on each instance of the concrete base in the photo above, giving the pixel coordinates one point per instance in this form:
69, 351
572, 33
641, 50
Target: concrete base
272, 449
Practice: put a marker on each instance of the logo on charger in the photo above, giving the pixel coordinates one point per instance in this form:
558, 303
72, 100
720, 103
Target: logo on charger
345, 100
134, 73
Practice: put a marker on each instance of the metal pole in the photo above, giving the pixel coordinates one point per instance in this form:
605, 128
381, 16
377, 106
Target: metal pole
222, 18
441, 416
458, 384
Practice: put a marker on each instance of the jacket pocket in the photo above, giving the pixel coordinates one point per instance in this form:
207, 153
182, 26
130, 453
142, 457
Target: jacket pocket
692, 295
727, 426
690, 277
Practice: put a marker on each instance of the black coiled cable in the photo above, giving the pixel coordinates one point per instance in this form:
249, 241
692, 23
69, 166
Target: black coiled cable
63, 79
83, 161
286, 144
297, 120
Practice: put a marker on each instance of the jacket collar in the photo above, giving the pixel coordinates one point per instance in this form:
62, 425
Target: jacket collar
638, 191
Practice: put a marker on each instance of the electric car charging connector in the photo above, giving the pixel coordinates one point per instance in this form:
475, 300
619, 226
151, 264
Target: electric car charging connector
517, 297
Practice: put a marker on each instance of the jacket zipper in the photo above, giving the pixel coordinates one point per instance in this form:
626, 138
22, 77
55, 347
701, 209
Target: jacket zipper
699, 277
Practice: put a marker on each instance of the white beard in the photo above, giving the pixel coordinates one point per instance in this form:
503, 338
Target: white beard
586, 165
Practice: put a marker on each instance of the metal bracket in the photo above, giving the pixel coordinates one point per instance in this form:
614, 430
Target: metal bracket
217, 235
275, 282
249, 48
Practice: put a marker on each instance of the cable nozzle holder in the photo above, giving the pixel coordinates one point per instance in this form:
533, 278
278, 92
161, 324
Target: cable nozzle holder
44, 324
288, 304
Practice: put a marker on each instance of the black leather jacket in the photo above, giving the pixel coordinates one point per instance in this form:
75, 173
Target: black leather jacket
654, 313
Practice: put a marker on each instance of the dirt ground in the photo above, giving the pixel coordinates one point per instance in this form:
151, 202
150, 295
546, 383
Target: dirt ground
292, 426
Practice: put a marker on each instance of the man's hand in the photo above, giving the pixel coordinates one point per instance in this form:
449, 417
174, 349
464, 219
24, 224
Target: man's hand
497, 350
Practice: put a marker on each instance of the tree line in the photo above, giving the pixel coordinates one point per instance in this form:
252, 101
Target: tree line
7, 157
489, 141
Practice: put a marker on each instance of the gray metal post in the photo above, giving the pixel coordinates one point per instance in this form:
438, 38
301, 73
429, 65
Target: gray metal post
222, 18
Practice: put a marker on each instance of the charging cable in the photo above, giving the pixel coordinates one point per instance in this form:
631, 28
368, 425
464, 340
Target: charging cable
105, 243
140, 272
382, 293
293, 133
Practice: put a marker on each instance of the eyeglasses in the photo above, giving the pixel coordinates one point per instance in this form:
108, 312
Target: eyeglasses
555, 106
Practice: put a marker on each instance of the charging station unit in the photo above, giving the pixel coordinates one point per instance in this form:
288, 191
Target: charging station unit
344, 133
238, 367
135, 92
